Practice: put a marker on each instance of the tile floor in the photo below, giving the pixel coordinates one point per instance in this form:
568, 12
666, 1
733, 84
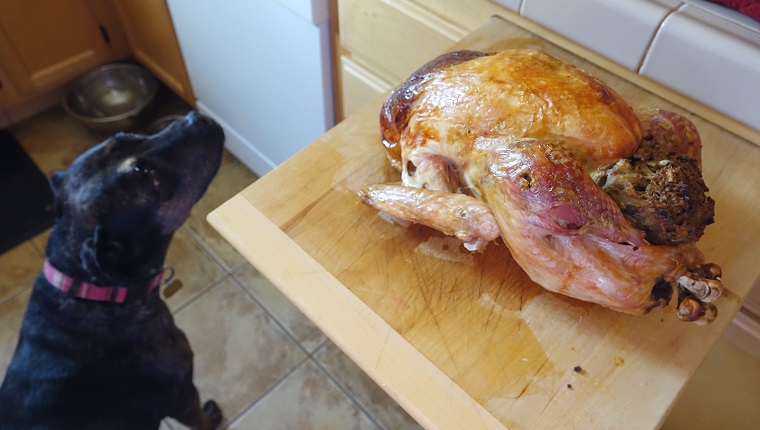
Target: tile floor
257, 355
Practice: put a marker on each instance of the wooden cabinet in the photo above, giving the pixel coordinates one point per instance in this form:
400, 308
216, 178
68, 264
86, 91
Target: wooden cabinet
149, 29
44, 44
8, 93
383, 41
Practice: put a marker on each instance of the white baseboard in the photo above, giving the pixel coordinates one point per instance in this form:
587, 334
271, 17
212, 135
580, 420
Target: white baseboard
744, 332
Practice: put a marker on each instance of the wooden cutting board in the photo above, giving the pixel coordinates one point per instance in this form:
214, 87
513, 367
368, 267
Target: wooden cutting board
465, 340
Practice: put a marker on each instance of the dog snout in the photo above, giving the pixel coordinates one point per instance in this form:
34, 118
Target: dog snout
201, 125
194, 118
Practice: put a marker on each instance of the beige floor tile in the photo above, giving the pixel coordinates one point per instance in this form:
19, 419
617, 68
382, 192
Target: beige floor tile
307, 334
239, 351
193, 266
19, 266
40, 241
229, 159
307, 399
11, 314
723, 394
233, 177
53, 139
379, 404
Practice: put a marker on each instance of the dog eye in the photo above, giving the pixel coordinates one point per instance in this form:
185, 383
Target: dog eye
153, 174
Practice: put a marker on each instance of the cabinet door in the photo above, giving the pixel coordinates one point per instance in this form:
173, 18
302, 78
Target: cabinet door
359, 85
8, 94
43, 43
151, 35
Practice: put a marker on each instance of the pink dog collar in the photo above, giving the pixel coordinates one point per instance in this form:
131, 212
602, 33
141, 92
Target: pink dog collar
88, 291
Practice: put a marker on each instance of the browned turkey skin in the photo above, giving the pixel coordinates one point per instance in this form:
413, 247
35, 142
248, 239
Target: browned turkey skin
594, 200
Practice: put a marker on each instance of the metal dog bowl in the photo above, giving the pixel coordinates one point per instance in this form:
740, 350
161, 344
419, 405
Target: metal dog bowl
113, 97
161, 123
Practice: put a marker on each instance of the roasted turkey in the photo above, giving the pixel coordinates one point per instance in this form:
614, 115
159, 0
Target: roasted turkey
593, 199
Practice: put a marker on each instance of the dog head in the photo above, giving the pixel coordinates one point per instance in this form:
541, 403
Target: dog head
122, 200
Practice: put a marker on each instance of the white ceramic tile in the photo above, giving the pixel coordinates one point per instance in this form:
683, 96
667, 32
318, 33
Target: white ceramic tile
19, 267
240, 353
695, 53
728, 14
295, 322
723, 394
306, 399
723, 18
372, 398
513, 5
621, 30
11, 315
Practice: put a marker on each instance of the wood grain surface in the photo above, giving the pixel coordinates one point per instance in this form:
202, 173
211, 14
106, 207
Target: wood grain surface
466, 340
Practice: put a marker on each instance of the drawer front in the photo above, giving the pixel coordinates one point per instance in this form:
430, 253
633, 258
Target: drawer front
394, 36
359, 85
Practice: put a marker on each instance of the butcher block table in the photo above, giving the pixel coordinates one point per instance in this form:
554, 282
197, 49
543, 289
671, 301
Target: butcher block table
465, 340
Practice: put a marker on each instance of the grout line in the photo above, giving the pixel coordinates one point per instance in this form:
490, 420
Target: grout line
17, 292
355, 400
654, 36
239, 267
197, 296
266, 392
200, 242
321, 346
309, 356
40, 250
251, 295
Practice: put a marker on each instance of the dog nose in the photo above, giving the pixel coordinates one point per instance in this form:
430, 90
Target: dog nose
198, 124
195, 117
192, 117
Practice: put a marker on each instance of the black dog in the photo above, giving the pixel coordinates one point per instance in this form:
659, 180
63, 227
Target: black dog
98, 347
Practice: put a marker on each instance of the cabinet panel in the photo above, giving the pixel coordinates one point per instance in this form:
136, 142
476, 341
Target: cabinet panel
359, 85
8, 94
151, 36
469, 14
396, 36
43, 44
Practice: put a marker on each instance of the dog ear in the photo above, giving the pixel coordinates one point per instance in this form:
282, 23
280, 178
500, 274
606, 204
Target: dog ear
56, 182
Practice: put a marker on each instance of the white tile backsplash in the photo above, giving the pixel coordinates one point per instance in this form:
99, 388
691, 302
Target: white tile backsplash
711, 60
618, 29
728, 14
703, 50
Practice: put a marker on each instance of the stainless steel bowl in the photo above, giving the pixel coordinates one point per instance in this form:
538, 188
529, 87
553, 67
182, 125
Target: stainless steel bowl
113, 97
161, 123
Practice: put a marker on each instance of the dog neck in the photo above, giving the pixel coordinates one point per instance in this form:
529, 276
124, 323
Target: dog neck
89, 291
80, 252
